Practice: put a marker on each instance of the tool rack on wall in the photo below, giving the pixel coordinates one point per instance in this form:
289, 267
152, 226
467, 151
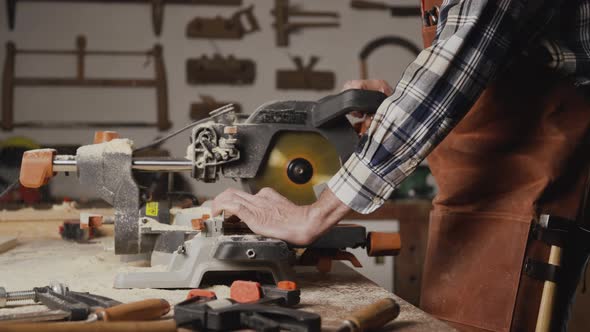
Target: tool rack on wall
10, 81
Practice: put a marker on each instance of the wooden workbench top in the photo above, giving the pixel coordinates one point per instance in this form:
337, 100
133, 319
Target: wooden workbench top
38, 260
336, 294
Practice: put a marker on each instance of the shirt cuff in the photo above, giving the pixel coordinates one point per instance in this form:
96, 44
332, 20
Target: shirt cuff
359, 186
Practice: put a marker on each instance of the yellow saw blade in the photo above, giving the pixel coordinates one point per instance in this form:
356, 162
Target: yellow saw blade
297, 162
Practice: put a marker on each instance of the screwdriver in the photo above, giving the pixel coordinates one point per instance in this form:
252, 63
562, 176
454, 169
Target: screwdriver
371, 317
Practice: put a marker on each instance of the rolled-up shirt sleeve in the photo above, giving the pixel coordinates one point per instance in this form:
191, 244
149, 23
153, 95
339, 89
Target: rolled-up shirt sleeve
475, 38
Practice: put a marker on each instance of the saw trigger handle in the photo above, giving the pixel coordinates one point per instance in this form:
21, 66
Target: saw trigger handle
36, 168
336, 106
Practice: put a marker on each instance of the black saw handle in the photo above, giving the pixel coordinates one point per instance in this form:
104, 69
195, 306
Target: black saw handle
336, 106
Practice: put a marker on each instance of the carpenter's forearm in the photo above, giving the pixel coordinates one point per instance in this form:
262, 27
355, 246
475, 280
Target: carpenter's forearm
327, 211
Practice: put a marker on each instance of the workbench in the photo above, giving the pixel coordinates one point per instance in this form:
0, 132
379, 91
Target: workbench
41, 257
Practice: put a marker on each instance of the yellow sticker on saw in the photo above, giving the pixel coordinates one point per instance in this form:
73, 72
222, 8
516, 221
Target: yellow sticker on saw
151, 209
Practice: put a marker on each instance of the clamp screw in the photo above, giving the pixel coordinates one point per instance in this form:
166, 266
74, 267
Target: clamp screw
27, 295
8, 297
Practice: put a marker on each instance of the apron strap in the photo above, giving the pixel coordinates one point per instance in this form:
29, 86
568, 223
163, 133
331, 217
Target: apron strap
429, 9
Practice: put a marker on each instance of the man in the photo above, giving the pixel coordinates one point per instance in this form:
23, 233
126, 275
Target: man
500, 156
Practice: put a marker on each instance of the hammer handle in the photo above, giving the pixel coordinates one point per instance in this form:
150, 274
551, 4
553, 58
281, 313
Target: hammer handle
548, 295
159, 326
150, 309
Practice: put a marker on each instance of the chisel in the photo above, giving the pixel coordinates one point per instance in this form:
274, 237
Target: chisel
371, 317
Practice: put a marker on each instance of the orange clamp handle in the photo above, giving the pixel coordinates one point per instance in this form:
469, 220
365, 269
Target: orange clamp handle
286, 285
36, 168
245, 291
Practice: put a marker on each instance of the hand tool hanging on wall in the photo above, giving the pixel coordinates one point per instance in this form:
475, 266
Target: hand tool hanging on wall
208, 104
284, 27
304, 77
403, 11
220, 69
11, 81
157, 8
382, 41
224, 28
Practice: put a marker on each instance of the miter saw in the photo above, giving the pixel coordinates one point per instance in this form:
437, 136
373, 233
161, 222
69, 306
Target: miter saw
291, 146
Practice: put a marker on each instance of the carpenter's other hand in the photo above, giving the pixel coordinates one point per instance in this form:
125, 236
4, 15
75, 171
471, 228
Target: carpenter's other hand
375, 85
270, 214
364, 122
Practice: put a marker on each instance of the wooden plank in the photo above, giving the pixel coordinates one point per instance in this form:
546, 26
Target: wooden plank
7, 243
66, 211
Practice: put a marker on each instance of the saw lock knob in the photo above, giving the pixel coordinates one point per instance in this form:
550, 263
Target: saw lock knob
36, 167
383, 244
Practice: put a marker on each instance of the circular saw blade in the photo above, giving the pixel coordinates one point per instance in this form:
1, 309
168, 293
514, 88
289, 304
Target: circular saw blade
296, 163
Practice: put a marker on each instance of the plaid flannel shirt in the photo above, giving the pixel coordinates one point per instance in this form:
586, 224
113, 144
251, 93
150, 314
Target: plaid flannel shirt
475, 39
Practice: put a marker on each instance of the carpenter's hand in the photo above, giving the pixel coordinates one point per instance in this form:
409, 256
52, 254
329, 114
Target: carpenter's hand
375, 85
270, 214
364, 122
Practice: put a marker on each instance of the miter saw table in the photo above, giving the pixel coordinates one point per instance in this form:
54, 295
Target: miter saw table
291, 146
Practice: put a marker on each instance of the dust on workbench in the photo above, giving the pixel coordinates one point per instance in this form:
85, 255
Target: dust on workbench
92, 267
88, 267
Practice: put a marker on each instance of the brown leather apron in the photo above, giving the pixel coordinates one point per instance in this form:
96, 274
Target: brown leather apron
515, 154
